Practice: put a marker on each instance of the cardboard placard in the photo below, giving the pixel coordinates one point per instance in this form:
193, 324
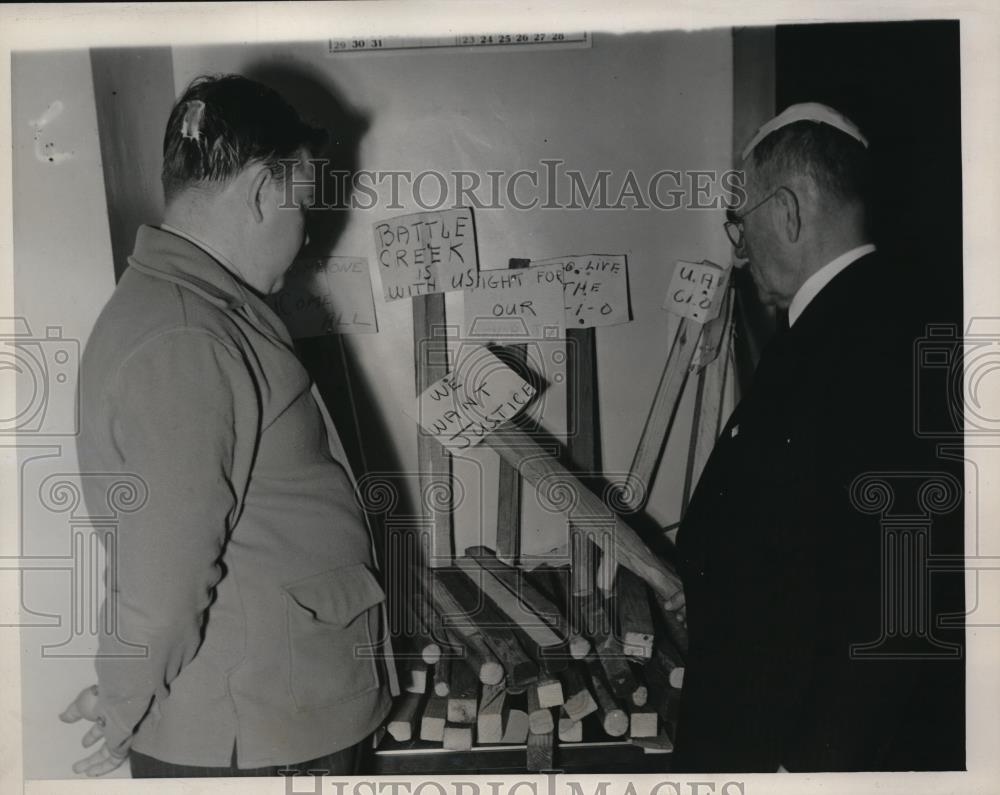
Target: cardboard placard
431, 252
696, 290
508, 305
474, 399
327, 295
595, 289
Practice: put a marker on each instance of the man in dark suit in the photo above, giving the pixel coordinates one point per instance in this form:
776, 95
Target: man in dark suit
805, 654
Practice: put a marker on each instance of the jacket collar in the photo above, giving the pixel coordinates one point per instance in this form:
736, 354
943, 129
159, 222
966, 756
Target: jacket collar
176, 259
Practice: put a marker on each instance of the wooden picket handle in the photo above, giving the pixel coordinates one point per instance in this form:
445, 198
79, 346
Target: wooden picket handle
540, 469
661, 415
433, 461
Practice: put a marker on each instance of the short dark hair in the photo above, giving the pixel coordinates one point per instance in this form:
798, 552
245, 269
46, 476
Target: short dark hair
838, 163
221, 124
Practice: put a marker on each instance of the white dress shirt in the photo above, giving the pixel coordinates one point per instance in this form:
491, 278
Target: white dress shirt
821, 278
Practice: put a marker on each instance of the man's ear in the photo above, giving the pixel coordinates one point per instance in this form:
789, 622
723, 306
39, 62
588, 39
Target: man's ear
789, 218
256, 192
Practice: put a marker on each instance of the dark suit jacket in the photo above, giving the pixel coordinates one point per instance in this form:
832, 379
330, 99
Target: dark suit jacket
783, 568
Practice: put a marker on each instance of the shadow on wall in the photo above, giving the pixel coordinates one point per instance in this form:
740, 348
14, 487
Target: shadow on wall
349, 395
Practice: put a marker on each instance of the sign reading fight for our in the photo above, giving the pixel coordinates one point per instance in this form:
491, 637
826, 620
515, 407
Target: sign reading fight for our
327, 295
515, 303
431, 252
595, 289
474, 399
696, 290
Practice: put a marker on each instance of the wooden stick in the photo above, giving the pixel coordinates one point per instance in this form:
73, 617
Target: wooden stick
579, 703
570, 731
457, 738
550, 692
541, 751
509, 495
536, 602
404, 717
582, 446
642, 723
518, 667
416, 677
617, 670
661, 414
634, 617
613, 718
516, 728
442, 676
462, 626
430, 649
433, 461
489, 719
433, 720
539, 717
539, 468
464, 688
517, 611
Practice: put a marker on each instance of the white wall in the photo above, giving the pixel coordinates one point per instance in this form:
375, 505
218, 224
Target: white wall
62, 277
641, 102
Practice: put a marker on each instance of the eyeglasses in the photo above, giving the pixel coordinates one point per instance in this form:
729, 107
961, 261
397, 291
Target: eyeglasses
734, 222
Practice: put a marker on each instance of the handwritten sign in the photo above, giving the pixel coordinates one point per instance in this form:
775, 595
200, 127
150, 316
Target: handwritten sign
517, 303
595, 289
327, 295
432, 252
696, 290
474, 399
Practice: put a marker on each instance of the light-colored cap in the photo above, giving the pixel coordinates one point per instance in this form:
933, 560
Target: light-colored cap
806, 111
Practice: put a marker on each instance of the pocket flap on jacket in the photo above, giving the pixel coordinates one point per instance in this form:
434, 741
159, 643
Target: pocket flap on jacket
337, 596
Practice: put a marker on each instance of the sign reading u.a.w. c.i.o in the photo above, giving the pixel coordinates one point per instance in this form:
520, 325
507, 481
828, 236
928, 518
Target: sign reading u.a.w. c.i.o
696, 290
431, 252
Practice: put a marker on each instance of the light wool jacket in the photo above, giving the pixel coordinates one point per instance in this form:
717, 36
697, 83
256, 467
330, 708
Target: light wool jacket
243, 601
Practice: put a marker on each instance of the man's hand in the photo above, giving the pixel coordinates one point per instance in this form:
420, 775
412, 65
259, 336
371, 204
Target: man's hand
102, 760
675, 604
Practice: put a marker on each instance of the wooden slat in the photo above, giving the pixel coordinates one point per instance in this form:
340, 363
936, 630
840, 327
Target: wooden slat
489, 718
537, 466
634, 617
516, 727
579, 702
519, 668
654, 434
457, 737
133, 96
433, 719
459, 623
464, 690
403, 717
550, 692
616, 668
539, 718
509, 482
541, 751
538, 603
516, 610
613, 718
583, 445
570, 731
433, 461
442, 676
643, 723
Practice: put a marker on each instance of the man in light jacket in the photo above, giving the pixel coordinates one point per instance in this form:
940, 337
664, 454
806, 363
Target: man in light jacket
246, 630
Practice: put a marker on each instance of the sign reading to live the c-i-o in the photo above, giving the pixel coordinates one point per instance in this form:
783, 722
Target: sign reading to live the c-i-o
430, 252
